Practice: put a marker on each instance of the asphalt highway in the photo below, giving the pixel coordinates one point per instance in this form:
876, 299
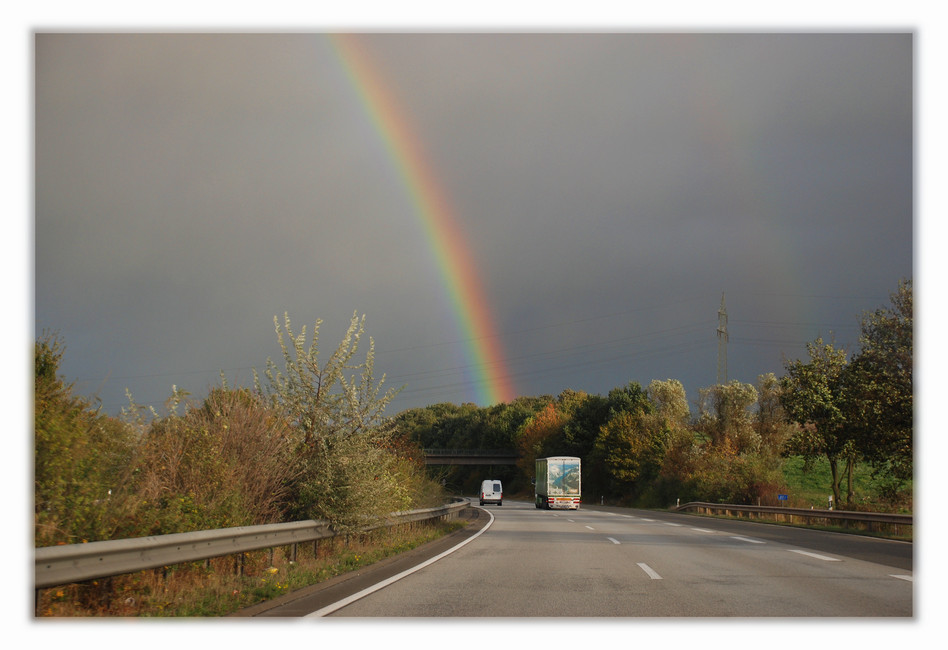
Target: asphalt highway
517, 561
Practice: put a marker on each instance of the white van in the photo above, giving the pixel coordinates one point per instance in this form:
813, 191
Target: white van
492, 492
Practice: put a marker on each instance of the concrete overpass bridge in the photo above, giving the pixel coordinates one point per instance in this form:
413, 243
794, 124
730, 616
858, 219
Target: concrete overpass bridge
471, 456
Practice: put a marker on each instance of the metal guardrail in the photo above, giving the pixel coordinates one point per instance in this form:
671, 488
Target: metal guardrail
803, 513
59, 565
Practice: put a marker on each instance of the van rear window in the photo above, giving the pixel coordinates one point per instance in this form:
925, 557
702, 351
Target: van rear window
496, 487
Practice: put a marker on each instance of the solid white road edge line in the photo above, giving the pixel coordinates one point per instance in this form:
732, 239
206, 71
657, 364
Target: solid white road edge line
908, 578
329, 609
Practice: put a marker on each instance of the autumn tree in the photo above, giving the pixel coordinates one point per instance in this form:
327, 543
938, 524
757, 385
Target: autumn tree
725, 415
225, 462
534, 436
581, 429
630, 453
79, 455
669, 403
626, 454
771, 421
813, 396
880, 390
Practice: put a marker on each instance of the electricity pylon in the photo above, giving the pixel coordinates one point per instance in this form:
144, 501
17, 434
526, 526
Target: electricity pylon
722, 343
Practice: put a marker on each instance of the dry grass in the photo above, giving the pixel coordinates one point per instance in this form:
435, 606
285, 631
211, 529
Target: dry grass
224, 585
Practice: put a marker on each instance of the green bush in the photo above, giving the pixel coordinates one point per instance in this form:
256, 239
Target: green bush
79, 457
316, 446
225, 463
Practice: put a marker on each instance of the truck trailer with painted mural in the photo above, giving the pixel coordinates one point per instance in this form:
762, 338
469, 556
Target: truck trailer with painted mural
558, 483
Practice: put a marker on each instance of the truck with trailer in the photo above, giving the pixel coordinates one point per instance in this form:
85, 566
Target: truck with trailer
558, 483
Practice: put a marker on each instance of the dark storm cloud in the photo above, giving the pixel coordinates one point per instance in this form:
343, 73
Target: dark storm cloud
612, 186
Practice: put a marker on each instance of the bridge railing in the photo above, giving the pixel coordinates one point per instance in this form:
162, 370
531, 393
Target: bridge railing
59, 565
471, 457
500, 453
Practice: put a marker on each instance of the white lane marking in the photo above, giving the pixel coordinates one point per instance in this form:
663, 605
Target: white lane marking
747, 539
628, 516
329, 609
590, 528
703, 530
643, 519
816, 555
613, 540
649, 570
908, 578
668, 523
571, 520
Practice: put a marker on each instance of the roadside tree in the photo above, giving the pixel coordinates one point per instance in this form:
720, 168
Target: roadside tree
339, 437
880, 389
79, 456
534, 437
813, 396
724, 416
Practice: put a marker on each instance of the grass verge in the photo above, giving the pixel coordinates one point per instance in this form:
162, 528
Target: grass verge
221, 586
811, 487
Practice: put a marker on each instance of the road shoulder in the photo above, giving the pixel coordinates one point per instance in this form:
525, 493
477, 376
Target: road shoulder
309, 599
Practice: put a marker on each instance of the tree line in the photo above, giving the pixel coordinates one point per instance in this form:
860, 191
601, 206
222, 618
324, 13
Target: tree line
643, 445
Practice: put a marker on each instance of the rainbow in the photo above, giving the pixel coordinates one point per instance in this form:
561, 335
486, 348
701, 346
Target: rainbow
485, 358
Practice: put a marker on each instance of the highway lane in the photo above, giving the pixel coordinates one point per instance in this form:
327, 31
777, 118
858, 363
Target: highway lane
601, 562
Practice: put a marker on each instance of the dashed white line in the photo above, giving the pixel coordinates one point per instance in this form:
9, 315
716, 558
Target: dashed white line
747, 539
648, 519
907, 578
649, 570
613, 540
668, 523
590, 528
816, 555
703, 530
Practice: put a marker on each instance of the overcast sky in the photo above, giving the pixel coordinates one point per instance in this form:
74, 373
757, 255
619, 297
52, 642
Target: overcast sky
610, 187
